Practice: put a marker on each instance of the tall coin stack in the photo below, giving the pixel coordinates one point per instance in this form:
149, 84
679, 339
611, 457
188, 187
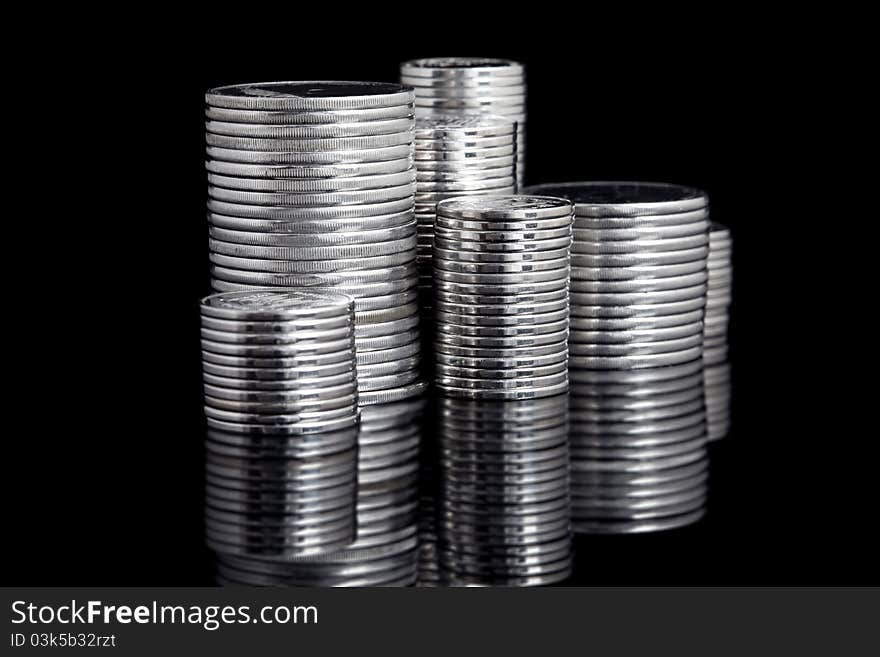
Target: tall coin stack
715, 358
501, 267
281, 404
464, 155
386, 550
312, 184
465, 85
638, 297
504, 509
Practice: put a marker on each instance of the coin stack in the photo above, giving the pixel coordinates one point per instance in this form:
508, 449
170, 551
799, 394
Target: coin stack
501, 266
312, 184
454, 157
281, 405
638, 296
466, 85
386, 550
504, 508
715, 359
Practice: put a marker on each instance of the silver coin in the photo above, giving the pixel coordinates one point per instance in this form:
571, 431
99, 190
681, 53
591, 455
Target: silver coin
316, 172
350, 279
646, 322
300, 336
507, 385
636, 361
276, 363
577, 346
448, 314
514, 291
455, 126
338, 396
640, 247
454, 254
311, 345
341, 265
308, 117
638, 298
623, 199
376, 356
307, 145
638, 526
444, 67
441, 241
310, 95
461, 156
317, 199
503, 332
699, 217
448, 372
647, 232
509, 268
310, 214
493, 236
519, 279
502, 226
580, 309
310, 131
639, 284
499, 352
633, 336
313, 185
496, 163
637, 272
312, 253
440, 190
314, 158
282, 326
276, 305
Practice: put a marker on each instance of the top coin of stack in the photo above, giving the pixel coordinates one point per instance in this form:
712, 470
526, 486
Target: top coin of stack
281, 405
501, 296
312, 184
469, 85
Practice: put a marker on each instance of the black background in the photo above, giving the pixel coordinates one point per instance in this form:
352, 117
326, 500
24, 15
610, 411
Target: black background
104, 427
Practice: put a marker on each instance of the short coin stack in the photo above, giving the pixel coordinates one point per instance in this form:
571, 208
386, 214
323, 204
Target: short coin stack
281, 405
501, 266
504, 510
464, 85
638, 296
715, 358
385, 553
312, 184
455, 156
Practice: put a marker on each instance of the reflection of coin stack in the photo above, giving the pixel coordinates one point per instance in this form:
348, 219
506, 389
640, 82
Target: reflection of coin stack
501, 267
503, 505
312, 184
385, 553
281, 405
715, 359
464, 85
456, 156
638, 296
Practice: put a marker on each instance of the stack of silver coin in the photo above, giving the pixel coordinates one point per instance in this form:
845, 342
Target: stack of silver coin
715, 358
455, 157
313, 184
504, 509
386, 550
469, 85
281, 405
501, 266
638, 297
